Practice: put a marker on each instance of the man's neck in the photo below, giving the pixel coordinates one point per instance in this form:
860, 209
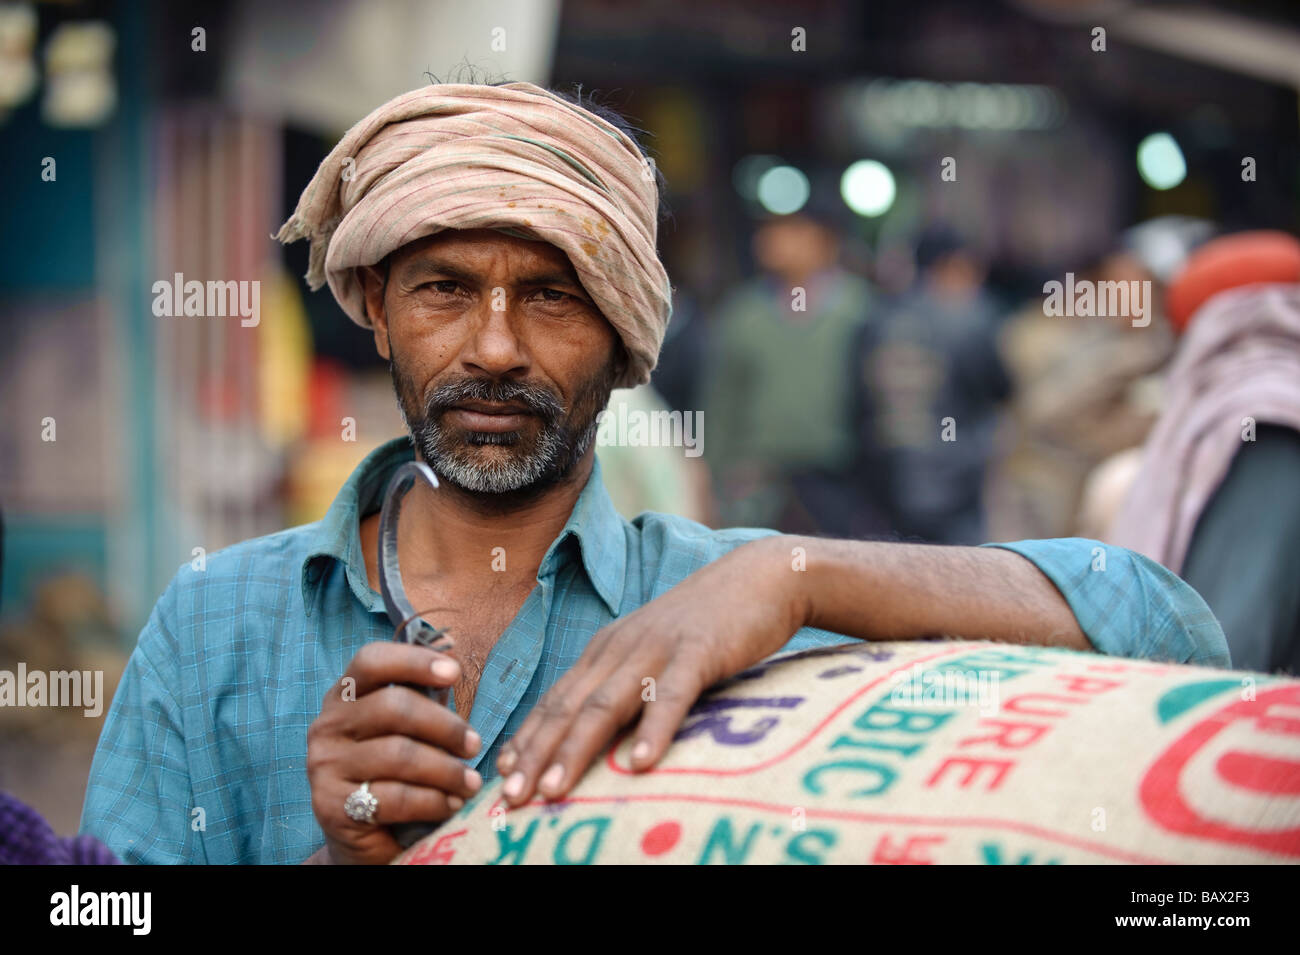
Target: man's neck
450, 536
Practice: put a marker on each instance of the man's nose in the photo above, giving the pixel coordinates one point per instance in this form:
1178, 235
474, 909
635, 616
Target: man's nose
495, 347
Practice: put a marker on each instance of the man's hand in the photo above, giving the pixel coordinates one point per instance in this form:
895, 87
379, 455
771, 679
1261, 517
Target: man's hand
393, 737
744, 607
724, 617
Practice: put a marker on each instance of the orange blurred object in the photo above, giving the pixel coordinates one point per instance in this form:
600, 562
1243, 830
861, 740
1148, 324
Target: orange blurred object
1245, 258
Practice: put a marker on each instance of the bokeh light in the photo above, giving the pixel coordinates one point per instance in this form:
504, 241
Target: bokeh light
1160, 161
783, 190
868, 187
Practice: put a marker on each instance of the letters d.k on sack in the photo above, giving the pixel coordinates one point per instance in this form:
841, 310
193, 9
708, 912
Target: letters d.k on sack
923, 752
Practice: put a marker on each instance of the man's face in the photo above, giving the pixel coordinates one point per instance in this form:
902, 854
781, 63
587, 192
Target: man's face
795, 247
500, 360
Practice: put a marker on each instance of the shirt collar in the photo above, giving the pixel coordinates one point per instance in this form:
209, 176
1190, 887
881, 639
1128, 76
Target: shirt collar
594, 524
338, 534
599, 530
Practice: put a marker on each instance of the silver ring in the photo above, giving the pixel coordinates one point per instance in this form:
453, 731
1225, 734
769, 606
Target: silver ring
362, 805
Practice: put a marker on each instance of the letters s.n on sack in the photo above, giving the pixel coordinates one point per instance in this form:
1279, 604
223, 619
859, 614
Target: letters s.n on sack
920, 752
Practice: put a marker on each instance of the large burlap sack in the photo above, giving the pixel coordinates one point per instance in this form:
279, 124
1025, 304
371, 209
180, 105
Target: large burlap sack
933, 751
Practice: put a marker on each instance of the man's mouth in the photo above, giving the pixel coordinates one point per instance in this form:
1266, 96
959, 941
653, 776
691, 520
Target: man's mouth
491, 416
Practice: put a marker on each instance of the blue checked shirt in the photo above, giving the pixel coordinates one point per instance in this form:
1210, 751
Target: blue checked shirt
203, 755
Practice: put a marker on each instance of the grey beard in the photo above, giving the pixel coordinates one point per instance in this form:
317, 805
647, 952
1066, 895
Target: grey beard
556, 452
546, 463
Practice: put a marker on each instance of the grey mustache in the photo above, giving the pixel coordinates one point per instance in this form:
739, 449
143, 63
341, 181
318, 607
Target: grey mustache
539, 401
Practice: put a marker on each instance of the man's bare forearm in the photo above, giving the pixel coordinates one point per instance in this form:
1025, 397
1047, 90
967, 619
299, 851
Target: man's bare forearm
320, 857
882, 591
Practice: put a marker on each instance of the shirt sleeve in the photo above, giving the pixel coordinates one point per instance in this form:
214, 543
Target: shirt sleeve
1127, 605
138, 799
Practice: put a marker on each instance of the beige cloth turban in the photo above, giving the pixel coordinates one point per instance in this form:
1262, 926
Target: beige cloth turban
515, 158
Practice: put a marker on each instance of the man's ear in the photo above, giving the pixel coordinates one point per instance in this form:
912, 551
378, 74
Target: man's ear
374, 282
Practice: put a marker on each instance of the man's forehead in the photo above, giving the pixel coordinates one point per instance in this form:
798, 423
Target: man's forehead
467, 245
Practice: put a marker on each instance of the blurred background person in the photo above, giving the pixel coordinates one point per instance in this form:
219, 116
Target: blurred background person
1081, 394
778, 403
929, 382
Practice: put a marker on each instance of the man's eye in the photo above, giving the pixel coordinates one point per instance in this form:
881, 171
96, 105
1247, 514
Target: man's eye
445, 286
553, 295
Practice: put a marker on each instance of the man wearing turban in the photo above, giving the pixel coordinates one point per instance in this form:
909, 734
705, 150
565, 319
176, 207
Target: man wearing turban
500, 241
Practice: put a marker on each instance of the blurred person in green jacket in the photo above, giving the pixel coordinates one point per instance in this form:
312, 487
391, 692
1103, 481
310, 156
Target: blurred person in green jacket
778, 403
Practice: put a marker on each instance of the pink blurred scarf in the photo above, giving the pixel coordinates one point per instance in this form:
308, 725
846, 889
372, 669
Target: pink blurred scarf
1239, 359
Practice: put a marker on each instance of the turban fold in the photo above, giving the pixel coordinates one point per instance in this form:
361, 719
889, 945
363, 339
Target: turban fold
515, 158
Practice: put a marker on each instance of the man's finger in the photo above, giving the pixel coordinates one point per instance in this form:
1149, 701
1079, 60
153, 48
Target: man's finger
382, 662
675, 693
407, 760
553, 715
572, 685
607, 710
402, 711
398, 802
557, 711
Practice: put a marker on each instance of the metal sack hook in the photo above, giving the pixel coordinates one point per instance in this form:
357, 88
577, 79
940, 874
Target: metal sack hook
409, 626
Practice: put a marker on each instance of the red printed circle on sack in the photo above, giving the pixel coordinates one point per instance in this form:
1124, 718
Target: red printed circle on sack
1244, 760
661, 838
